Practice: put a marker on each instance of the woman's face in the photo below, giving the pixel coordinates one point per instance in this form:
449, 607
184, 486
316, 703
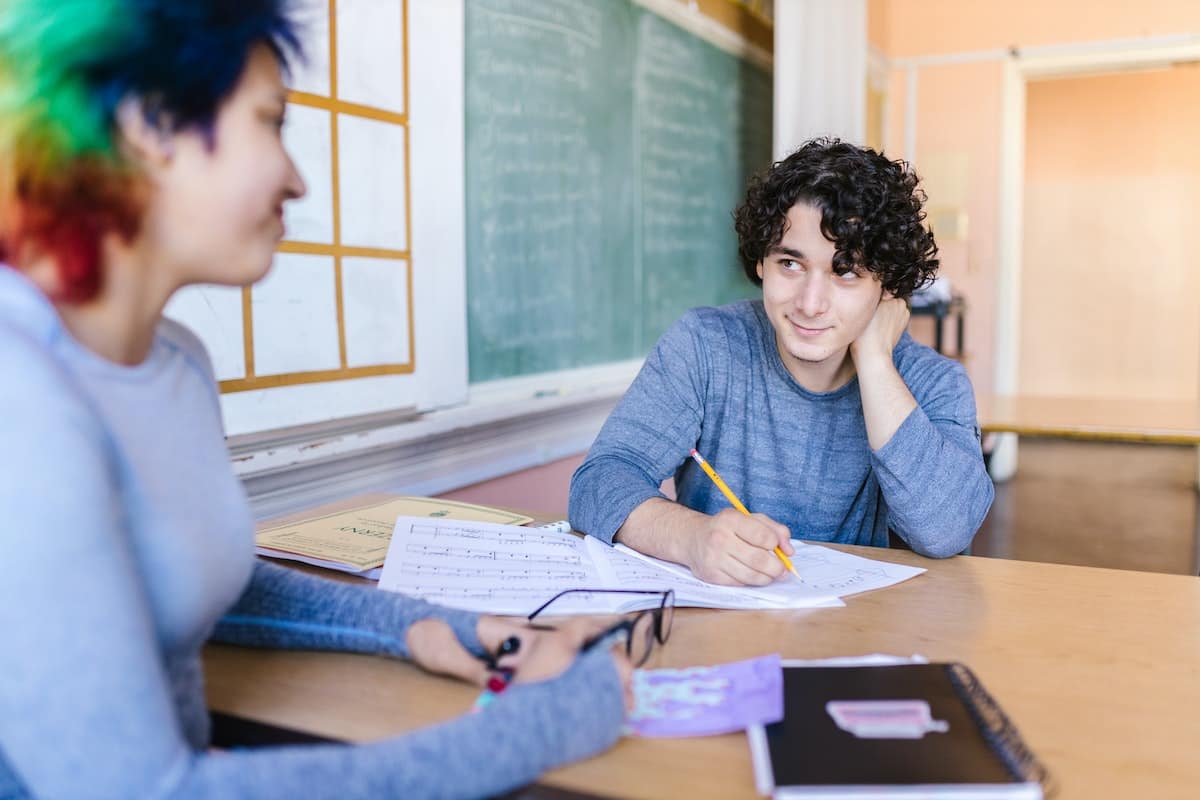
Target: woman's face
215, 212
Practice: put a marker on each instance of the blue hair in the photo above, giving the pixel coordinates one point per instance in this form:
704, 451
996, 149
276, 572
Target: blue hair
183, 57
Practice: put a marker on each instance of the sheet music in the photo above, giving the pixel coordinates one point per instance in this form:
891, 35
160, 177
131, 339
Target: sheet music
824, 573
623, 568
505, 569
502, 569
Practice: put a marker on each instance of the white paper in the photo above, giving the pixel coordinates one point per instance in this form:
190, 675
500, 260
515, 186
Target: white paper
824, 573
507, 569
628, 569
369, 574
502, 569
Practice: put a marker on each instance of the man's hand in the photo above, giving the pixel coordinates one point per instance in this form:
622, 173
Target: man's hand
883, 331
886, 400
733, 549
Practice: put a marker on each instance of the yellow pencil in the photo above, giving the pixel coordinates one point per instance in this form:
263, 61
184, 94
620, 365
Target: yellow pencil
733, 499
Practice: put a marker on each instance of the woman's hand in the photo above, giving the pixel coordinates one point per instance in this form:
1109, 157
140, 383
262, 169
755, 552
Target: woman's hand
433, 647
540, 654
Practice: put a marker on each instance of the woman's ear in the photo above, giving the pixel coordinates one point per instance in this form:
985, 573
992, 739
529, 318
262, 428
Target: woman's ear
145, 138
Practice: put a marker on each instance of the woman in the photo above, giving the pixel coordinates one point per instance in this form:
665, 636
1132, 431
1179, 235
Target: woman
140, 152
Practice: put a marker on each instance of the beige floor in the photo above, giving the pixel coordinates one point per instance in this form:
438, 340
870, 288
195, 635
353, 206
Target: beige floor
1127, 506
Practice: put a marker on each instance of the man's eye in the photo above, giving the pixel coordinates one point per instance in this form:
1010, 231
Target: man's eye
790, 265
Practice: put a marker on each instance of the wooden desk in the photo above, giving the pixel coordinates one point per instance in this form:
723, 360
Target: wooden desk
1100, 669
1157, 421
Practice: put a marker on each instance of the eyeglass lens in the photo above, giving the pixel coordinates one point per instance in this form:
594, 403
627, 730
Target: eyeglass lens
666, 617
641, 639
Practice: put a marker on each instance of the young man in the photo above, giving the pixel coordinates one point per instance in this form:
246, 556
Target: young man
827, 419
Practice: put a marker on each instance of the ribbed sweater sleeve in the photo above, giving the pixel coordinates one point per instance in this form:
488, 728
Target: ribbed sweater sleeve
285, 608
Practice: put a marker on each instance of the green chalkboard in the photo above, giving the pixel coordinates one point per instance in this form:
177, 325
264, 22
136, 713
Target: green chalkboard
605, 151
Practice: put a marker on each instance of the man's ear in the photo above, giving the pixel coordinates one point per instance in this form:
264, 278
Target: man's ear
145, 138
759, 270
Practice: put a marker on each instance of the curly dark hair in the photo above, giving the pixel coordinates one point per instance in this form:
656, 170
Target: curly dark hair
871, 209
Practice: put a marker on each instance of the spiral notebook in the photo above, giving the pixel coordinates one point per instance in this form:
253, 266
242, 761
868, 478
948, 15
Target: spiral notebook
912, 730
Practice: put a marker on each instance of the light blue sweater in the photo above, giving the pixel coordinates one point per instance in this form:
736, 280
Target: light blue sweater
126, 537
715, 382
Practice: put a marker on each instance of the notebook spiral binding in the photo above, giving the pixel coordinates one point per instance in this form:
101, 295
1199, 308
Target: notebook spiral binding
999, 730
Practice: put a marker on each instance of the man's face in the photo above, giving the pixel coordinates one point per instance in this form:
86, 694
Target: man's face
816, 313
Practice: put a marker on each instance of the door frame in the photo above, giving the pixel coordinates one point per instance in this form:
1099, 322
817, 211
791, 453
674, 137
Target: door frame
1022, 66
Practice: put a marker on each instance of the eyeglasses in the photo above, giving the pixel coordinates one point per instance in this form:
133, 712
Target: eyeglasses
640, 629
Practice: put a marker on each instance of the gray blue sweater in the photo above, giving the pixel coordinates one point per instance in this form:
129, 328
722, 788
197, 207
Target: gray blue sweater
127, 542
715, 382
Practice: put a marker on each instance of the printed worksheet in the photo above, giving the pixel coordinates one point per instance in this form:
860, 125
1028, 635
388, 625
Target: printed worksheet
824, 573
621, 566
505, 569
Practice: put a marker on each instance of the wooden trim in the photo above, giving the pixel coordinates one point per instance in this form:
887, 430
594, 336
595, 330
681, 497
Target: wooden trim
318, 249
408, 228
340, 307
1093, 434
316, 376
404, 41
344, 107
248, 331
333, 71
742, 20
336, 188
1096, 419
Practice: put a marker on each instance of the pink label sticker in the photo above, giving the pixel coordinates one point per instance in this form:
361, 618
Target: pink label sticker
885, 719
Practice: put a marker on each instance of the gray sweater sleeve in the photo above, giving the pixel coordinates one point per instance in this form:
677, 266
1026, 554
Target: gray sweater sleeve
526, 731
931, 471
286, 608
86, 705
646, 437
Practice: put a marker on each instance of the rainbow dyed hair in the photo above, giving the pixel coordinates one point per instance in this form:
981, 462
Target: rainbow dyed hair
65, 66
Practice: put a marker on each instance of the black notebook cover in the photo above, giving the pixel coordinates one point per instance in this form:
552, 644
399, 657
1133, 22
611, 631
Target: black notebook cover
230, 732
809, 749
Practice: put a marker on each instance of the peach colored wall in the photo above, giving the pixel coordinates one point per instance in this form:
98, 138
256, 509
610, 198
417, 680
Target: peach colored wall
541, 488
878, 25
926, 27
959, 114
1109, 281
957, 158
